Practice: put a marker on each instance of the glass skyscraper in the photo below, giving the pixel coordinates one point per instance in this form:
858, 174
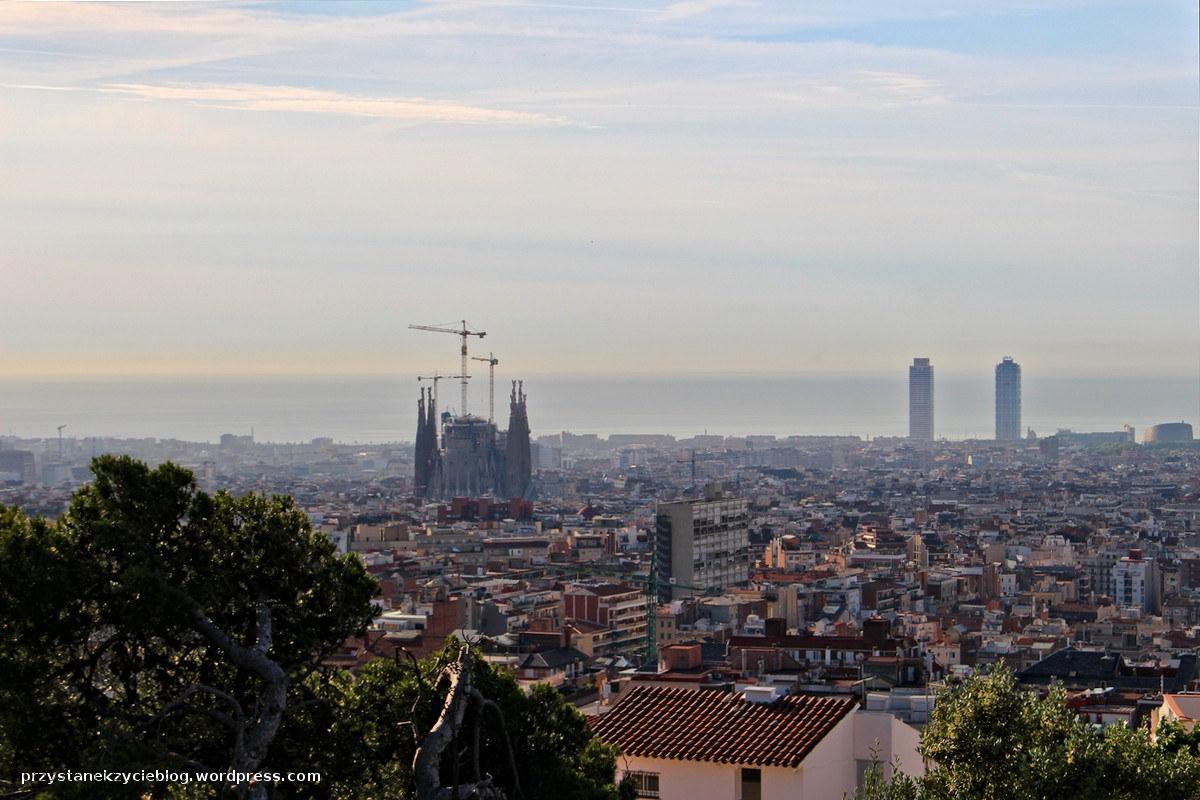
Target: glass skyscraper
1008, 400
920, 400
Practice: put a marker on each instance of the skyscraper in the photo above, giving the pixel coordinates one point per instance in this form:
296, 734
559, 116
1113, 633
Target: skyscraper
920, 400
1008, 400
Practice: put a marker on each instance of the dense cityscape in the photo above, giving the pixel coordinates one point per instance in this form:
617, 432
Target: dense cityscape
642, 566
653, 400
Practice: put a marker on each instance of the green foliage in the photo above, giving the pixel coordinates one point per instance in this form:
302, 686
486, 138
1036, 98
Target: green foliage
1174, 738
102, 665
375, 721
100, 659
877, 787
991, 739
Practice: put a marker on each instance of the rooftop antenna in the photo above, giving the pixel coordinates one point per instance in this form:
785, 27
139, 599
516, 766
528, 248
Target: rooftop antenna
463, 331
491, 361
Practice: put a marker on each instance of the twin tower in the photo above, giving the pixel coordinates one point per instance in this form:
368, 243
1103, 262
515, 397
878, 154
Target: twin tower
1008, 400
471, 458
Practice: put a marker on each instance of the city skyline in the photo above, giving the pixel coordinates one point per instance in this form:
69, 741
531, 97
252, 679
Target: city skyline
379, 410
657, 512
258, 190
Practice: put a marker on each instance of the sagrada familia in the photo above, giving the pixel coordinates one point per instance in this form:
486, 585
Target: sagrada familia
471, 458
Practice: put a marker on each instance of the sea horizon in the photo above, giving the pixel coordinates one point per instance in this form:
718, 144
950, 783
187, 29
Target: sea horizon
374, 409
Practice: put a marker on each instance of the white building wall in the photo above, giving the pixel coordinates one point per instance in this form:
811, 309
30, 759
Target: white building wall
882, 736
694, 780
829, 772
685, 780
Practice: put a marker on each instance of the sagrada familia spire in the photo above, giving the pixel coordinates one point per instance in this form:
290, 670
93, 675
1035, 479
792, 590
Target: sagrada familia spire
474, 458
426, 461
518, 463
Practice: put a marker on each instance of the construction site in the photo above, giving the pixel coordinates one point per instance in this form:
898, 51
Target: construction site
464, 455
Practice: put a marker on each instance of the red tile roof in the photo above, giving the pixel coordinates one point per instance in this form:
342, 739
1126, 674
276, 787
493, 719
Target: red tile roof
719, 727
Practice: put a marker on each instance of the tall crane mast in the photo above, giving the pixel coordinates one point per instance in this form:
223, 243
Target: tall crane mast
491, 361
462, 332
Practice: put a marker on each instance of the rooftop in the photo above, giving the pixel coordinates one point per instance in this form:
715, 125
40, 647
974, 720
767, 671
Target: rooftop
703, 725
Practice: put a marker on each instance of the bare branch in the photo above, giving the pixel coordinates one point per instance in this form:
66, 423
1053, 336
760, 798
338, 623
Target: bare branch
427, 760
251, 739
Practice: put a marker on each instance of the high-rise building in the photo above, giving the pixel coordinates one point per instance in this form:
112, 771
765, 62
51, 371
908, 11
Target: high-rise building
1008, 400
920, 400
701, 545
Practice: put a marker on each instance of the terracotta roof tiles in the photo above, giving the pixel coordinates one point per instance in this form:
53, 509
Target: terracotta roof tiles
718, 727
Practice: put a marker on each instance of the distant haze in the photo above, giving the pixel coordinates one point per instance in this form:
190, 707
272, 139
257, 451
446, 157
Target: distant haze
645, 187
375, 410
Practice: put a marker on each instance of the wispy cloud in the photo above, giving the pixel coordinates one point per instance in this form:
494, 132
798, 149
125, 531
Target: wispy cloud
294, 99
826, 156
863, 89
683, 9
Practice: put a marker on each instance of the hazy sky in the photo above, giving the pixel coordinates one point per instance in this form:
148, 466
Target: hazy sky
629, 186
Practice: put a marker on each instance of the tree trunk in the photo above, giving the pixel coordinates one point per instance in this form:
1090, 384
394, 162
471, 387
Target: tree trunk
428, 758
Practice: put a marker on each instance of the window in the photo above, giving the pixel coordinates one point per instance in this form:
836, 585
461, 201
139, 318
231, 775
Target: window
646, 783
751, 784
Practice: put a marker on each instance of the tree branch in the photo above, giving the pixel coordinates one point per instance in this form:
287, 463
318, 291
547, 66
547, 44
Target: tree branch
252, 739
427, 760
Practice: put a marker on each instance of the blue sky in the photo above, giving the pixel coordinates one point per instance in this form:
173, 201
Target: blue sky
614, 187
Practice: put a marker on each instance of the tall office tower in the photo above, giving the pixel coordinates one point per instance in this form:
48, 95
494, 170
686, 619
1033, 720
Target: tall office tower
1008, 400
701, 545
920, 400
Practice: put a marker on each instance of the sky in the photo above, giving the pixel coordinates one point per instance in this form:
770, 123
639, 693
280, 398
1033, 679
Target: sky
616, 188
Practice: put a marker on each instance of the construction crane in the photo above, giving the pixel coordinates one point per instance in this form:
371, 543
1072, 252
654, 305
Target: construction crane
462, 332
435, 377
491, 361
60, 442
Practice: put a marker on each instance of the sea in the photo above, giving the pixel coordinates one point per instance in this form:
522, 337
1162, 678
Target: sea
373, 409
